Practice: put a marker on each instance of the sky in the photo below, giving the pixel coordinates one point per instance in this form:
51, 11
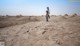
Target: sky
38, 7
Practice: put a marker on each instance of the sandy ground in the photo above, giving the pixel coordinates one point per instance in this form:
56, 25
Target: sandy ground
59, 31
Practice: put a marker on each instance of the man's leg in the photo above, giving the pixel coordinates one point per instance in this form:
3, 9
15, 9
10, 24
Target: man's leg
48, 16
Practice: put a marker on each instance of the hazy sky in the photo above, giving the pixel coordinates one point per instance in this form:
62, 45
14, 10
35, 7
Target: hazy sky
38, 7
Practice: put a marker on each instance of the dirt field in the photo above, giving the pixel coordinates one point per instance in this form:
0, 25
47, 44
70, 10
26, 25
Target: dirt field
35, 31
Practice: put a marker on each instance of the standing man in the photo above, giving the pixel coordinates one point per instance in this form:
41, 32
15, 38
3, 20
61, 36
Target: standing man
47, 14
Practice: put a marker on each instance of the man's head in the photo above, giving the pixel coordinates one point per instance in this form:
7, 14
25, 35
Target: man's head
48, 8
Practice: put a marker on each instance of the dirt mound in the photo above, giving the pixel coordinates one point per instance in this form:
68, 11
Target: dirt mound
42, 33
16, 20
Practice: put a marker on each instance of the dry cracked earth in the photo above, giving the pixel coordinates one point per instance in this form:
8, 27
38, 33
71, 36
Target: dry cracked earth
59, 31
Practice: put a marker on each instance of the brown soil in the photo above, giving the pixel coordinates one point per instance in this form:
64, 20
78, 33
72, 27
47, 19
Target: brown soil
59, 31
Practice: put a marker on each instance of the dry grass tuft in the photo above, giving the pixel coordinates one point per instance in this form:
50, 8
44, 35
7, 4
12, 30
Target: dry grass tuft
74, 15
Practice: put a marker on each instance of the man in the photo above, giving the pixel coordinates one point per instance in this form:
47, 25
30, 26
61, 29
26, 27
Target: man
47, 14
